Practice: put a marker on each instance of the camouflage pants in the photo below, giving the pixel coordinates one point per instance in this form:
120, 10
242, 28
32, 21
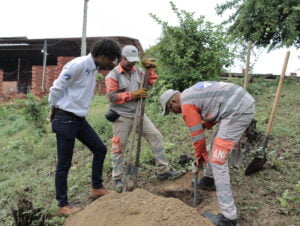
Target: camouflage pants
231, 129
121, 131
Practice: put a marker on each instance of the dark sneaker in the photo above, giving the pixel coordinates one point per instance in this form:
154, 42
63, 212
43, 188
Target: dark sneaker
207, 184
119, 186
219, 219
169, 175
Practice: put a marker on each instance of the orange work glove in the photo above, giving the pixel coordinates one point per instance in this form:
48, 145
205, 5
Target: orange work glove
148, 63
140, 93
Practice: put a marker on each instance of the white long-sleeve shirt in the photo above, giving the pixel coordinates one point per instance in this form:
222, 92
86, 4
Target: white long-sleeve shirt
73, 90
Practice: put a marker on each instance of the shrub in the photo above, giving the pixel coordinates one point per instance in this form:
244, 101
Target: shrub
35, 112
194, 51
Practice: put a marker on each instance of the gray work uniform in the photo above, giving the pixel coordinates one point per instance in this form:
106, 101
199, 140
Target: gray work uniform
119, 87
233, 109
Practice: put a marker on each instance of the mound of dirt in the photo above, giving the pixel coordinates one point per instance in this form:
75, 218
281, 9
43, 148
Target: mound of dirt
137, 208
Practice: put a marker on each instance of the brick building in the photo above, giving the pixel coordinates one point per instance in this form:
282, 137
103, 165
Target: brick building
21, 62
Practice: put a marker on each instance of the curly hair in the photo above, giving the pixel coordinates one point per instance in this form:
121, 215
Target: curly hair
106, 47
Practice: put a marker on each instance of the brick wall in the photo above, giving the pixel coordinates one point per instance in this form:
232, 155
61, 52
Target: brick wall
1, 81
61, 61
36, 82
51, 75
52, 72
9, 88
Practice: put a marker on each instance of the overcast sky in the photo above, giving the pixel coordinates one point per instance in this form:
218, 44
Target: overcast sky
63, 18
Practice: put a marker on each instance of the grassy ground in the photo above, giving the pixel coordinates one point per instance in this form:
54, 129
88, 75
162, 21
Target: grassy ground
28, 158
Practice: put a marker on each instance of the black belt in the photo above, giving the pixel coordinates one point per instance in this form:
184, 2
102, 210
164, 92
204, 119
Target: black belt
66, 113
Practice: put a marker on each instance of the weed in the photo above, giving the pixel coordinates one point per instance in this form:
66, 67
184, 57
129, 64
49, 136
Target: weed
35, 112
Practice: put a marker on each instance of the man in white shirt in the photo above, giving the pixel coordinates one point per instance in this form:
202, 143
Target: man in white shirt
70, 98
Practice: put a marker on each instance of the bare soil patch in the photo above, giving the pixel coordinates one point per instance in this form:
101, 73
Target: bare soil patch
139, 207
182, 190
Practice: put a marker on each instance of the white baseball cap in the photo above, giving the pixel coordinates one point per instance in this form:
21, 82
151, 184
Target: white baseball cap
131, 53
164, 99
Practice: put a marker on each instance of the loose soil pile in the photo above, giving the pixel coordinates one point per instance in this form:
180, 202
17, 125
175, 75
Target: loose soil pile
137, 208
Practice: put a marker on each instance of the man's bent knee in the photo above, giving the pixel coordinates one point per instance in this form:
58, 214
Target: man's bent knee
220, 151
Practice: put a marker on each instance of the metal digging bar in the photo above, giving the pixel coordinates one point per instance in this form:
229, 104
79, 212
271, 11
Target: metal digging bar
130, 180
139, 139
196, 195
258, 162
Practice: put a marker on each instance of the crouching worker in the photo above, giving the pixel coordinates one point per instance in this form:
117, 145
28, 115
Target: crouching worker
70, 98
202, 106
123, 91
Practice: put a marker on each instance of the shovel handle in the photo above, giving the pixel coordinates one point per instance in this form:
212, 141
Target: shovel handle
277, 93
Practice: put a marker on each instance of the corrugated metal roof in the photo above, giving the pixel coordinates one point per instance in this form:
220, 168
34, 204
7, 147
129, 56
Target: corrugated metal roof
12, 48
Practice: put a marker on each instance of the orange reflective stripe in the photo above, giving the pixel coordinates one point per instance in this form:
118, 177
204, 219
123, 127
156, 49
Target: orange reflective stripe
116, 145
111, 85
152, 77
220, 150
192, 117
228, 144
200, 150
123, 97
197, 132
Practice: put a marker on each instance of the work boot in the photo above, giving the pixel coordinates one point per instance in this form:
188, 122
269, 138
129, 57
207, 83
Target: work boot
119, 186
171, 174
207, 184
98, 192
219, 219
68, 210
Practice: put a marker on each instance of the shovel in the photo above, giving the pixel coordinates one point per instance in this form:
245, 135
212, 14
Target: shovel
258, 162
131, 175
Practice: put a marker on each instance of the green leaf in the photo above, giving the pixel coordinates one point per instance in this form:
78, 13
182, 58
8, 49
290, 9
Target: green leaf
297, 187
283, 202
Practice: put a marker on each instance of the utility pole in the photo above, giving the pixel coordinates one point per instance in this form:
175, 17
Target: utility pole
45, 53
83, 38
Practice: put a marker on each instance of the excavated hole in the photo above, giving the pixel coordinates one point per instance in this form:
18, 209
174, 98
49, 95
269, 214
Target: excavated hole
185, 196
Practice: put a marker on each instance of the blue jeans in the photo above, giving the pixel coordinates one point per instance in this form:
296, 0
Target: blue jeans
67, 128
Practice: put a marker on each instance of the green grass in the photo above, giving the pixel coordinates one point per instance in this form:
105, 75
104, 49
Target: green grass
28, 156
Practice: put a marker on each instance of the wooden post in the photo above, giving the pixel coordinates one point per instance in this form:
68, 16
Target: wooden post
246, 79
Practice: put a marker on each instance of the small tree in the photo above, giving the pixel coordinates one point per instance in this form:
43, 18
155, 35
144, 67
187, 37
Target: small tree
194, 50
